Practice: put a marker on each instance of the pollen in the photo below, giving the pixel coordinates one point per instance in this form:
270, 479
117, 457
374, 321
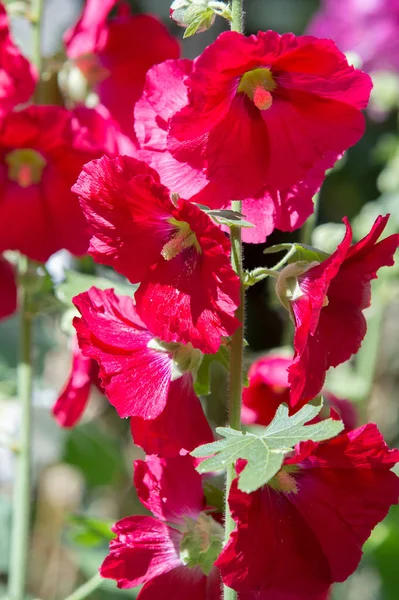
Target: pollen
258, 85
181, 239
25, 166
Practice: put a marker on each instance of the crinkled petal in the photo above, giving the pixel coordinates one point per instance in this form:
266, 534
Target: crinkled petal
198, 289
170, 488
143, 549
136, 378
183, 582
127, 210
73, 399
181, 426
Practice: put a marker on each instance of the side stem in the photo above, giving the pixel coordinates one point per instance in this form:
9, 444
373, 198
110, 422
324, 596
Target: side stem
21, 503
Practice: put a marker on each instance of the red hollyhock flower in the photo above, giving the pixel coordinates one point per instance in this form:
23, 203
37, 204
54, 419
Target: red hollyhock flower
142, 377
264, 109
305, 529
165, 93
327, 308
180, 256
269, 387
171, 553
18, 76
42, 150
73, 399
116, 54
8, 287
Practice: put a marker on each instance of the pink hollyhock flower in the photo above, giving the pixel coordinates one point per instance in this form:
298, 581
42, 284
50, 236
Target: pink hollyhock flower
368, 28
8, 287
116, 54
264, 109
305, 529
269, 387
42, 150
165, 93
74, 397
171, 553
185, 267
142, 376
18, 76
327, 304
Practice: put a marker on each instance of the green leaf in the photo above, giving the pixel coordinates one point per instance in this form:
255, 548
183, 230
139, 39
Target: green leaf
202, 385
229, 217
89, 531
75, 283
265, 454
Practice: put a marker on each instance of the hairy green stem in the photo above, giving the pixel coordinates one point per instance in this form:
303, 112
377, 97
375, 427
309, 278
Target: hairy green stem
310, 224
36, 20
237, 342
237, 16
236, 367
87, 588
21, 502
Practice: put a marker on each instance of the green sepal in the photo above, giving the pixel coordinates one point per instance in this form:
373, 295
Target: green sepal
202, 20
265, 453
202, 384
298, 253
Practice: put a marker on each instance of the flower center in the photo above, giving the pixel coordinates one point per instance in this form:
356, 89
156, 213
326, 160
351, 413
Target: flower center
25, 166
185, 358
183, 238
257, 85
284, 480
202, 542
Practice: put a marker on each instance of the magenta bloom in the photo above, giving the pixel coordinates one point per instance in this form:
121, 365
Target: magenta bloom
8, 287
327, 309
18, 76
263, 110
42, 150
176, 251
171, 553
74, 397
115, 54
368, 28
165, 94
305, 529
269, 387
142, 376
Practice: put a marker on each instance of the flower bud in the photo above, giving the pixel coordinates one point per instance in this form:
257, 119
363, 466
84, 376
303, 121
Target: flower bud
197, 15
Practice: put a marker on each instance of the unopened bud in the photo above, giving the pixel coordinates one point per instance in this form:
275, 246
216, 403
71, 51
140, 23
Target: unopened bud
197, 15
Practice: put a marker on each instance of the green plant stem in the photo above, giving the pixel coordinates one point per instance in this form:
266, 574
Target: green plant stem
87, 588
36, 19
237, 16
236, 366
310, 224
21, 503
237, 341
